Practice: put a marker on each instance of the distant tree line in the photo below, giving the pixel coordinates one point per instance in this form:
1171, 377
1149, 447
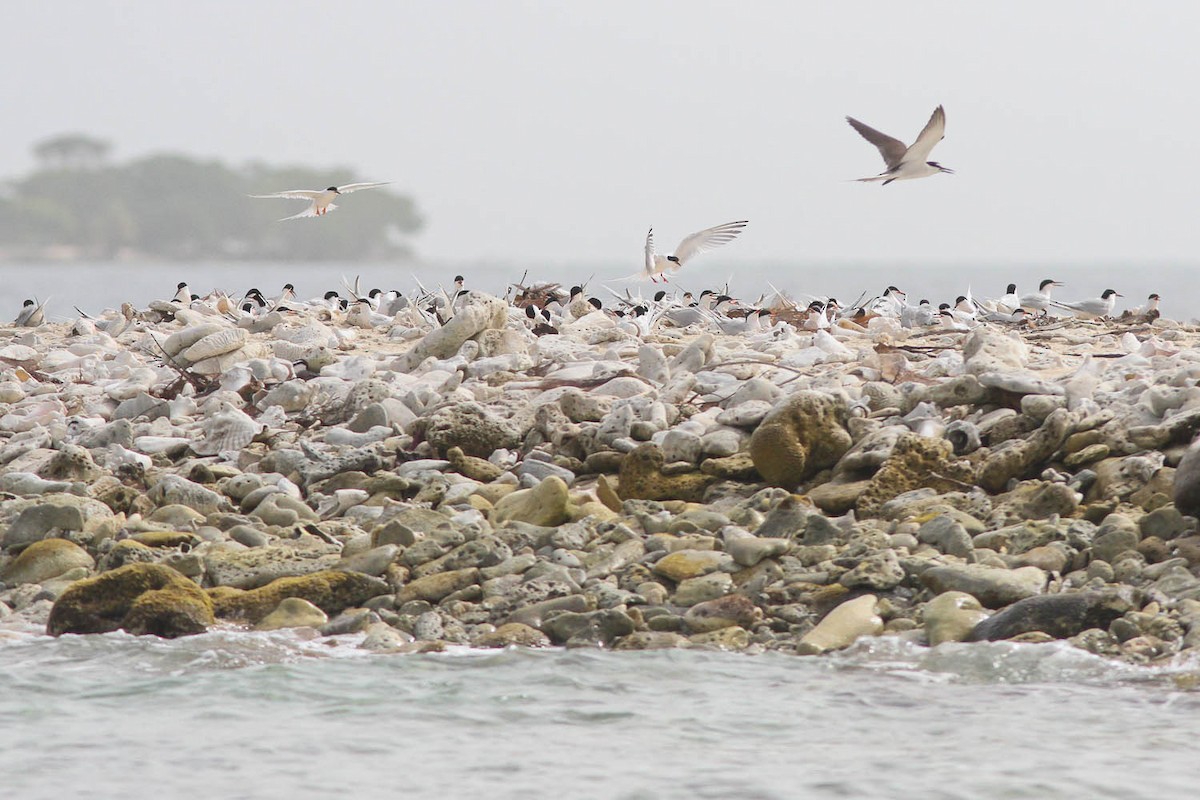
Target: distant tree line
78, 204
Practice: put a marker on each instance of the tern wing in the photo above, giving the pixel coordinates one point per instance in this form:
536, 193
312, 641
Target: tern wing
708, 239
891, 149
354, 187
291, 194
933, 132
650, 252
311, 211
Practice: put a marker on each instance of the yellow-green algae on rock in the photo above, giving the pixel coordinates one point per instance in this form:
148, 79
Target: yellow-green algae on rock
140, 598
329, 590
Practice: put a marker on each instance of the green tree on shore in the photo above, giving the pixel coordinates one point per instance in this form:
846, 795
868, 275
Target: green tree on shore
178, 207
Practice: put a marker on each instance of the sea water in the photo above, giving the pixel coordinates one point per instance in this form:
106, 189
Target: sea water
233, 714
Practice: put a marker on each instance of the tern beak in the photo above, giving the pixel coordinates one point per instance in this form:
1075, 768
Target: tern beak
947, 169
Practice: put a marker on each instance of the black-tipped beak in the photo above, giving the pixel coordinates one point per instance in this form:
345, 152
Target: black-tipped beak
946, 169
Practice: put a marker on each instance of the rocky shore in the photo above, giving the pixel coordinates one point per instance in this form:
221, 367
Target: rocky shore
169, 470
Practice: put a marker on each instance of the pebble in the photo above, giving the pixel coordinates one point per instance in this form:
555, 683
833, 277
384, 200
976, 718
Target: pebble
473, 483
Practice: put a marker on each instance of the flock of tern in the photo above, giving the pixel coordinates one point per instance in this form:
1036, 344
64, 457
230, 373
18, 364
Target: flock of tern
546, 310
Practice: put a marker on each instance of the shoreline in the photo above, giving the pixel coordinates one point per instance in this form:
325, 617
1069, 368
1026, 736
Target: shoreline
478, 485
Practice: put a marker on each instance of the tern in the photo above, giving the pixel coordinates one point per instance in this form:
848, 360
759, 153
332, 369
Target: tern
1148, 312
320, 202
1009, 302
906, 162
1039, 300
1095, 307
32, 314
691, 246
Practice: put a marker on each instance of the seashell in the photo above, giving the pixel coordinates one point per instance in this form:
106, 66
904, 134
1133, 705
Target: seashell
11, 392
288, 397
116, 457
312, 333
963, 435
925, 420
342, 436
226, 429
168, 445
21, 352
216, 344
179, 341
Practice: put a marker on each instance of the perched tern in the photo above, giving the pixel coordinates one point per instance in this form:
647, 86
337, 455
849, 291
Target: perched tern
906, 162
1039, 300
182, 293
1148, 312
320, 202
691, 246
32, 314
1095, 307
1017, 315
1009, 302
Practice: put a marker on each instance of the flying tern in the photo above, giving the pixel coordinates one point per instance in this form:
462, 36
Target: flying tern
905, 162
691, 246
320, 202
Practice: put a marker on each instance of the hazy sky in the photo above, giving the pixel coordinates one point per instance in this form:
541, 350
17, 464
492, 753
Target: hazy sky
560, 131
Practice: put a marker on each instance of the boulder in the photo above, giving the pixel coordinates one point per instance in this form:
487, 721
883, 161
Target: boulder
802, 435
842, 625
915, 462
140, 598
1057, 615
642, 478
293, 612
544, 504
994, 587
1021, 457
477, 313
951, 616
44, 560
330, 591
470, 427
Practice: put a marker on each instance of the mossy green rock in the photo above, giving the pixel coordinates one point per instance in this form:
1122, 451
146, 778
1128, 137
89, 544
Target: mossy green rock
140, 598
44, 560
329, 590
684, 564
293, 612
915, 462
641, 478
473, 467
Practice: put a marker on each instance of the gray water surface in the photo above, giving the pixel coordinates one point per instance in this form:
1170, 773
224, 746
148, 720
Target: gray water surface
233, 714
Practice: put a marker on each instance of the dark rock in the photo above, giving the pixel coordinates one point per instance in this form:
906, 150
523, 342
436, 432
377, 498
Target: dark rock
1058, 615
591, 629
